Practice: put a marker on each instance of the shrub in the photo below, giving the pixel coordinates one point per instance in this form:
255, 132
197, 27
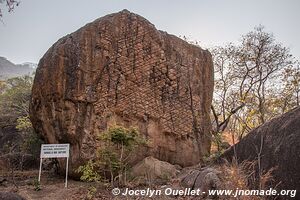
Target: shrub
88, 172
117, 145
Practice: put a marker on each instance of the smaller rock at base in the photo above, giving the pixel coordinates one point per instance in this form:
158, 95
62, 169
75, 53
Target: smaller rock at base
203, 179
151, 170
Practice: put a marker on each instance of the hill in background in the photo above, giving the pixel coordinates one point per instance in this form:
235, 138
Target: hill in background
9, 69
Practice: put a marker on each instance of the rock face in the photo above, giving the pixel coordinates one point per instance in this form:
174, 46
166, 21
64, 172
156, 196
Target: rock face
120, 67
277, 145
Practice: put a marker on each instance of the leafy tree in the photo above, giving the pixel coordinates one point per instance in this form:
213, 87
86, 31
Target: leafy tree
119, 143
15, 100
14, 113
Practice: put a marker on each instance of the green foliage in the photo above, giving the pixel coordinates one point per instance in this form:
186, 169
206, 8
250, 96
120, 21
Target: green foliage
36, 185
117, 145
119, 135
91, 192
89, 173
32, 144
14, 101
15, 94
109, 160
24, 123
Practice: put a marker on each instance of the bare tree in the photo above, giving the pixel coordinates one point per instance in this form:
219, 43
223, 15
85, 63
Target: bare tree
10, 4
290, 95
248, 75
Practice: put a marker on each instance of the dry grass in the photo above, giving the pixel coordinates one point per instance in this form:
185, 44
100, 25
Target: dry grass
234, 176
242, 176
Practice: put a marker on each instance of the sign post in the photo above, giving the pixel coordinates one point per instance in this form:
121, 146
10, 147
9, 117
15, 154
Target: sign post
67, 169
55, 151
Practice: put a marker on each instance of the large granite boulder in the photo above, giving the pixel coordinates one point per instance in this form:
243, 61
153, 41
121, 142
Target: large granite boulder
275, 147
120, 66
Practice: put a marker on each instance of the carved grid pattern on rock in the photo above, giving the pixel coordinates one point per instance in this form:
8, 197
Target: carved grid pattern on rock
139, 82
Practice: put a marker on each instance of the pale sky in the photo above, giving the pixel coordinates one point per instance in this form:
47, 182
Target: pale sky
28, 32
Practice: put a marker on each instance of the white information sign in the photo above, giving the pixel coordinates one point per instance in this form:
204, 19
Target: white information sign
55, 151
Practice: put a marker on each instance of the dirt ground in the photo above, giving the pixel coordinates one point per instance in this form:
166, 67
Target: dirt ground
52, 187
